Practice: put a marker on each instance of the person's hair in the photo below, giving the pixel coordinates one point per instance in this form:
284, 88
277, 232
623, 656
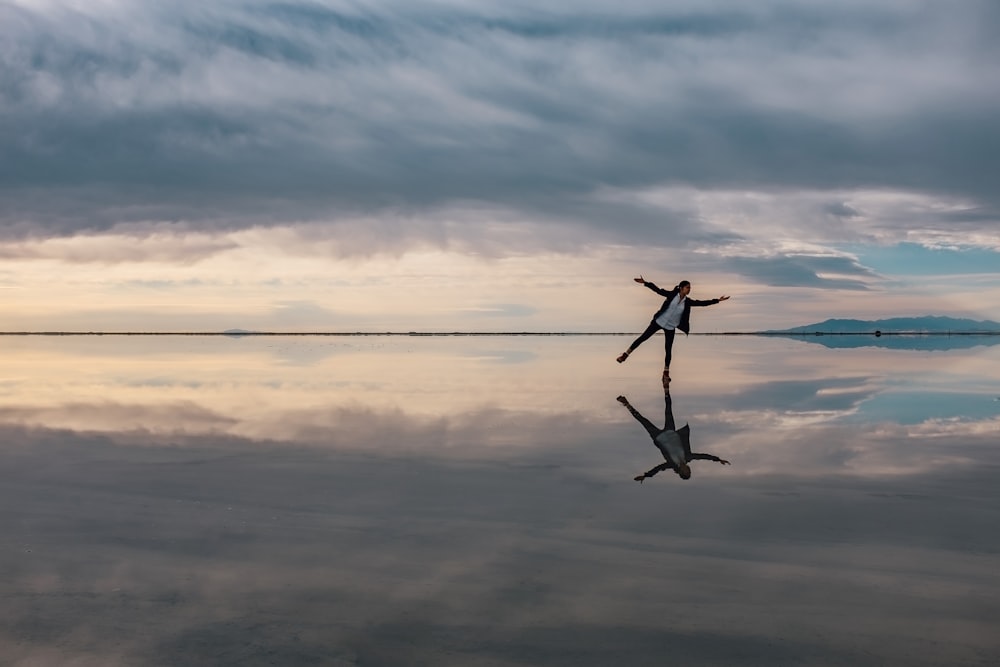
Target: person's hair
684, 472
683, 283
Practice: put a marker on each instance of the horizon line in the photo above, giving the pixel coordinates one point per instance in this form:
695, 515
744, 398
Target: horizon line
241, 333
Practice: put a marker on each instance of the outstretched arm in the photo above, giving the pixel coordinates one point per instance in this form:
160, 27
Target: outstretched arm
708, 457
650, 285
707, 302
651, 472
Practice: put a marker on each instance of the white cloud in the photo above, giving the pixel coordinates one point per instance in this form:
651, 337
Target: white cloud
313, 111
760, 142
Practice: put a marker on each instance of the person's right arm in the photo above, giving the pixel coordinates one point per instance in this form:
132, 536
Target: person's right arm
650, 285
650, 473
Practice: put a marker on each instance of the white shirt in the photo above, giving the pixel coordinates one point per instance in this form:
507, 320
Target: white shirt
670, 445
671, 317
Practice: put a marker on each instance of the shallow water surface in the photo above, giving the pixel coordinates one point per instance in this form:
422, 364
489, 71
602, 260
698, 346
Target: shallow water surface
470, 501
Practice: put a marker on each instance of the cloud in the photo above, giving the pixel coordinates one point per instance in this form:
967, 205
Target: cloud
181, 417
510, 121
139, 245
834, 396
803, 271
381, 557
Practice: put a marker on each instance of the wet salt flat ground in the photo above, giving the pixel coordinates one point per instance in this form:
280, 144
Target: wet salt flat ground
470, 501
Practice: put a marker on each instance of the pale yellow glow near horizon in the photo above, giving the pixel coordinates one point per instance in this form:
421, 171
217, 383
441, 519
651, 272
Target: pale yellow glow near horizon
274, 280
336, 392
258, 286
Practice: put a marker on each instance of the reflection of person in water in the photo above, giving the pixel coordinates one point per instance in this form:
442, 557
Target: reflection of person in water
674, 313
673, 443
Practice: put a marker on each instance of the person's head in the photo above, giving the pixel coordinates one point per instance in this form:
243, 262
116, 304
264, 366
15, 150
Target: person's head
684, 287
684, 470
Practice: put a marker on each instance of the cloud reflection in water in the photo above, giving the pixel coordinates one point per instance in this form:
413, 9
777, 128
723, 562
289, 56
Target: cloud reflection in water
415, 502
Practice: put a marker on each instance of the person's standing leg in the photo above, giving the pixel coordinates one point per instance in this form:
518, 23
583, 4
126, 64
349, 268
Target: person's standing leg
668, 411
668, 347
650, 330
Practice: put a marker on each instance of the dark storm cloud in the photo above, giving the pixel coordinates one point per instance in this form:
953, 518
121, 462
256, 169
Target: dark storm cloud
237, 114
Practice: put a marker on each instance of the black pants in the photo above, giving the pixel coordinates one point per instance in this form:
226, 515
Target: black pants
668, 341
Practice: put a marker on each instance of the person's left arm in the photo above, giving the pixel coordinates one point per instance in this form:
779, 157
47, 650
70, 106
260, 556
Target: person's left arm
707, 302
707, 457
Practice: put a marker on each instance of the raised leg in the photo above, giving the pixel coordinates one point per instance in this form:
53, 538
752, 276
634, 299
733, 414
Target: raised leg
643, 337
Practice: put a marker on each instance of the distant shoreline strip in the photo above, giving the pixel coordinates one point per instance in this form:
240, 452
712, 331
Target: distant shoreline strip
242, 334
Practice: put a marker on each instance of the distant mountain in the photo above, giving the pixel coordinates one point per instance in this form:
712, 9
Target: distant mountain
925, 324
236, 333
929, 342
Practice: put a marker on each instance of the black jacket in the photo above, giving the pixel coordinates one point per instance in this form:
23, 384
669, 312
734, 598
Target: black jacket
685, 324
685, 436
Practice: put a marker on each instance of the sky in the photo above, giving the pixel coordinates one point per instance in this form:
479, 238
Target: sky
422, 165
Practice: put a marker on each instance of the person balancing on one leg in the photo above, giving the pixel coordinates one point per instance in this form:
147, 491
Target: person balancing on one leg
675, 313
674, 443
